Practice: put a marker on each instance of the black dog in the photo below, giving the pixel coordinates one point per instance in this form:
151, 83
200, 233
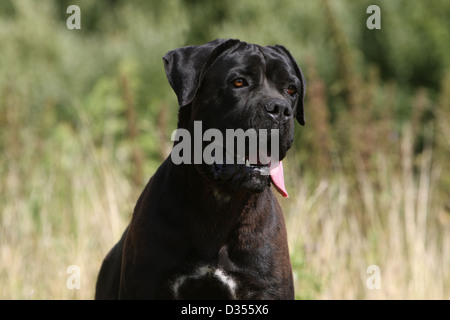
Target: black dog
214, 231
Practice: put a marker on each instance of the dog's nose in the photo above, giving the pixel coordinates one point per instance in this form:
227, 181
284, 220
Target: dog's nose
278, 109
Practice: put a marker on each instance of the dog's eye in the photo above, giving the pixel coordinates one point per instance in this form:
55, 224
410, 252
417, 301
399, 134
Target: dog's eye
239, 83
291, 90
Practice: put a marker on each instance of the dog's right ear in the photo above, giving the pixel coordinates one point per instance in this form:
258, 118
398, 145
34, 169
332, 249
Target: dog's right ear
185, 67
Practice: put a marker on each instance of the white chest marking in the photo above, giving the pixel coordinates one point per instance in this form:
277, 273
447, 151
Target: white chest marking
203, 272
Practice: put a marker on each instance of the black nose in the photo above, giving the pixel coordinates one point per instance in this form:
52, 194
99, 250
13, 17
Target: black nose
278, 109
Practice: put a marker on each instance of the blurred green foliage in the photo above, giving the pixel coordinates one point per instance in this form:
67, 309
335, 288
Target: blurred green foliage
118, 37
107, 80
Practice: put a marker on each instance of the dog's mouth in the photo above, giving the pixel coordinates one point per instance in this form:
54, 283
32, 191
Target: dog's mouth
255, 175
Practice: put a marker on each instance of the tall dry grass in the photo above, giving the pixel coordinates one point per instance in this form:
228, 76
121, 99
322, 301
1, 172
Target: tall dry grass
63, 203
71, 206
336, 231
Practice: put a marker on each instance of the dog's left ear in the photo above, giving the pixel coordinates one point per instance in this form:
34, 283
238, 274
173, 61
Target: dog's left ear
185, 67
300, 115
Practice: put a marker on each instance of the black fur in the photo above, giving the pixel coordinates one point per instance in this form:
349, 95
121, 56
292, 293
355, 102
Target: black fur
190, 216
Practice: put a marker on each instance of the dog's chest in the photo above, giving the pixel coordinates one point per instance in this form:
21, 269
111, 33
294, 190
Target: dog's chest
205, 282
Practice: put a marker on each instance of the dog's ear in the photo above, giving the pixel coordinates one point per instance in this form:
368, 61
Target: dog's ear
300, 115
185, 67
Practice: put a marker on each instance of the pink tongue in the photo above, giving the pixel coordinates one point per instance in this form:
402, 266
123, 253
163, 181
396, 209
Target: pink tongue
277, 176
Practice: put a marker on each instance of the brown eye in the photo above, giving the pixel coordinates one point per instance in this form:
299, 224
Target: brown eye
239, 83
291, 90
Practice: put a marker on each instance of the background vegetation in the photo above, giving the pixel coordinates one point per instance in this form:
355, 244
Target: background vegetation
86, 117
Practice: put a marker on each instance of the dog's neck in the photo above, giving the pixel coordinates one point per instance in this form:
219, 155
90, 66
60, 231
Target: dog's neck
209, 194
215, 211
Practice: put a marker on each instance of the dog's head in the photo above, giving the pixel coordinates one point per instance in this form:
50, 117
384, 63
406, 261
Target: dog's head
232, 85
